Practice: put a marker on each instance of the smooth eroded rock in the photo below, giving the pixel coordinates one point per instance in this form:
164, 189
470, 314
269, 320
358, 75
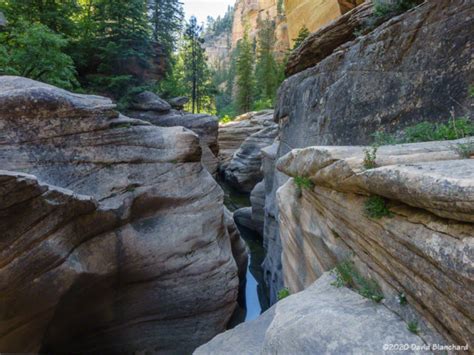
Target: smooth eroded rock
114, 235
322, 319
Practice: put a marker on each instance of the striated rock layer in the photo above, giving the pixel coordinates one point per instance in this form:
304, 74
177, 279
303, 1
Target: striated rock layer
412, 68
114, 238
423, 249
323, 319
160, 114
244, 170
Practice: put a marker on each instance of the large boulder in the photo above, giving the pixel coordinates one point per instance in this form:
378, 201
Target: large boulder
244, 170
114, 237
323, 319
420, 244
414, 67
149, 101
233, 134
204, 125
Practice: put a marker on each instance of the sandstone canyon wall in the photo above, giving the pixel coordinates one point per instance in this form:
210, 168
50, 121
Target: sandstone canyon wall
314, 14
114, 236
395, 76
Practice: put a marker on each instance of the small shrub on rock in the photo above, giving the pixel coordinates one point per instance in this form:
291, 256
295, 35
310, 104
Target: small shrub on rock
303, 183
413, 327
376, 207
348, 276
370, 157
283, 293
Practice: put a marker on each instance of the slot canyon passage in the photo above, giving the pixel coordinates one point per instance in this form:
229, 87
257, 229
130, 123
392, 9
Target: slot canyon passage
292, 177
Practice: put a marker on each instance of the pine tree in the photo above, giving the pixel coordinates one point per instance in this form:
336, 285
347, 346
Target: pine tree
197, 72
245, 74
266, 71
166, 17
302, 35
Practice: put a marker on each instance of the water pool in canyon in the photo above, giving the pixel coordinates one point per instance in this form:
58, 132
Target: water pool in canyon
254, 300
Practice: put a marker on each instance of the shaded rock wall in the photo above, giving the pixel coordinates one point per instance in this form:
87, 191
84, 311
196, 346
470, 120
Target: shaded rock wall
117, 242
424, 249
412, 68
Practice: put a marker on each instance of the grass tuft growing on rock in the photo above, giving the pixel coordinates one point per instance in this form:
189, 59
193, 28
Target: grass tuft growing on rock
303, 183
413, 327
348, 276
455, 128
283, 293
385, 9
376, 207
370, 157
402, 299
465, 150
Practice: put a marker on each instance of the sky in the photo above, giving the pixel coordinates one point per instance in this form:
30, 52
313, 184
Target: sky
203, 8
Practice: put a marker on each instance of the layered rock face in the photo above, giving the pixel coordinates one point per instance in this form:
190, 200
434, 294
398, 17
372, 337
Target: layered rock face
322, 319
114, 238
244, 170
314, 14
415, 67
233, 134
149, 107
423, 247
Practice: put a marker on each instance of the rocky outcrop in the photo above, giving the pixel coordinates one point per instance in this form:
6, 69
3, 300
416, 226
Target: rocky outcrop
233, 134
204, 125
422, 246
396, 76
114, 238
149, 101
327, 39
253, 217
314, 14
244, 170
323, 319
178, 102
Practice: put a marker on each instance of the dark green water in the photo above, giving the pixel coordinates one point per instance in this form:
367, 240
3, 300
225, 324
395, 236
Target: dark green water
253, 300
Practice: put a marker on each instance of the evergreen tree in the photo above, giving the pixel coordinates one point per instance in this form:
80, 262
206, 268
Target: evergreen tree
114, 45
166, 17
302, 35
245, 74
197, 72
266, 71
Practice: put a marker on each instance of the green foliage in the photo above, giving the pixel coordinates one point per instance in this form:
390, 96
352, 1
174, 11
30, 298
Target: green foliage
36, 52
263, 104
303, 183
465, 150
226, 119
283, 293
412, 326
245, 75
216, 27
427, 132
376, 207
402, 299
370, 157
382, 8
302, 35
281, 7
266, 69
348, 276
471, 91
166, 17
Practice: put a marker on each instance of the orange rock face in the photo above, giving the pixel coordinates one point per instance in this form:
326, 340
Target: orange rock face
314, 14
